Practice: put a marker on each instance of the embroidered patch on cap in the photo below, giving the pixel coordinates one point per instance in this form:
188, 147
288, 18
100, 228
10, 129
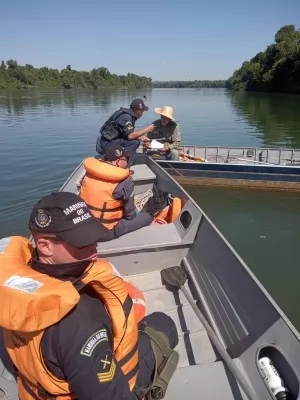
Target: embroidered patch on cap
42, 219
92, 342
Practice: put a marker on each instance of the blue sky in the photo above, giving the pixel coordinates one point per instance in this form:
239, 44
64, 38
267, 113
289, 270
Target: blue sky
165, 40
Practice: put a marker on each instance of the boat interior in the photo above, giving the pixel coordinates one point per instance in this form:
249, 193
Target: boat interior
246, 320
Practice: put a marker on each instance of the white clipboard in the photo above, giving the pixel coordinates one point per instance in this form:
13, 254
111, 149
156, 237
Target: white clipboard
156, 145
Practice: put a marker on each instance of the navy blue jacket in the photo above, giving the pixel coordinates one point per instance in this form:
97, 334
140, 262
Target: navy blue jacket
74, 351
124, 121
124, 191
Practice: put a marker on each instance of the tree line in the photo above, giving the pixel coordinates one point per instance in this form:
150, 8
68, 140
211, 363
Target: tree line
13, 75
190, 84
277, 69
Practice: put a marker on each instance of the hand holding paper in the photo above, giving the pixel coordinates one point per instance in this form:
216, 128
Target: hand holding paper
156, 145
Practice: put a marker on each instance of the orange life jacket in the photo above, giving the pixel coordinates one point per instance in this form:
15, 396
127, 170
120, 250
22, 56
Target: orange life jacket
171, 212
97, 188
32, 301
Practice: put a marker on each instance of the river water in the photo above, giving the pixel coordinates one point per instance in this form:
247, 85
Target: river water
45, 133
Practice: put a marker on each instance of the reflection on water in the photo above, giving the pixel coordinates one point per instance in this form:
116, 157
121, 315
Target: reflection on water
18, 102
44, 134
275, 116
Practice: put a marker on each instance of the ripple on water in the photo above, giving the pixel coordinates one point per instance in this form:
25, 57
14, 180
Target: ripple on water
44, 134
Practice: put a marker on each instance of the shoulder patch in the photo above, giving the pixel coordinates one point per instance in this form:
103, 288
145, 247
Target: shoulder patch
129, 125
105, 367
93, 341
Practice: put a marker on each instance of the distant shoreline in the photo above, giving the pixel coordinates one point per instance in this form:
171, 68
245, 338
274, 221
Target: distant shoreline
26, 76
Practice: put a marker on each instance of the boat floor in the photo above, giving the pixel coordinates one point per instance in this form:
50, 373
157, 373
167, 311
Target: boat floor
199, 374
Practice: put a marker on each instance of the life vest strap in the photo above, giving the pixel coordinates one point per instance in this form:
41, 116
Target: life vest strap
108, 221
132, 373
42, 393
128, 356
127, 306
104, 209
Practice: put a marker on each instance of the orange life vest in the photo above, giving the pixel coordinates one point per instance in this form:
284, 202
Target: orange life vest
32, 301
171, 212
97, 188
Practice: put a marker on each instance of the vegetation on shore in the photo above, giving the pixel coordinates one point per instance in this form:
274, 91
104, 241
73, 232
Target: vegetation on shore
190, 84
277, 69
13, 75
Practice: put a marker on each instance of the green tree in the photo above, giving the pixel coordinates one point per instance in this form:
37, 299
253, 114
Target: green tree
12, 64
190, 84
28, 76
275, 69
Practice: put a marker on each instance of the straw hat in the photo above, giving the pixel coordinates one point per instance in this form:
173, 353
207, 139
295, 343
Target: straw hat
166, 111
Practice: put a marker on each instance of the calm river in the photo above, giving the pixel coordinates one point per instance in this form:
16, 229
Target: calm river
44, 134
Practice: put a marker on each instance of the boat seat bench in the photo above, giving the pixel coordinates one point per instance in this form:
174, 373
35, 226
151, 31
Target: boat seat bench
143, 178
152, 236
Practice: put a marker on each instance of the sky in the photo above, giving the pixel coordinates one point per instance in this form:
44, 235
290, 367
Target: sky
164, 40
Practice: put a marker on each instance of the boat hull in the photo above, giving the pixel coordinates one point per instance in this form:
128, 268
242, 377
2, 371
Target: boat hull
256, 177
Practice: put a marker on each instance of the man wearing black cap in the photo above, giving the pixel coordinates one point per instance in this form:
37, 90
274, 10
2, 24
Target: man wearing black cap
75, 354
108, 190
119, 128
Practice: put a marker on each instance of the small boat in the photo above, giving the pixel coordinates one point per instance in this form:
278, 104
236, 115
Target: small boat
240, 155
226, 320
243, 167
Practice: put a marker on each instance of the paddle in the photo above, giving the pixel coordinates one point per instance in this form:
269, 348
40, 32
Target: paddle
176, 277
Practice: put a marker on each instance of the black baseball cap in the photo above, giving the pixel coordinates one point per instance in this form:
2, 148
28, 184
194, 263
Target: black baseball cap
113, 152
68, 217
139, 104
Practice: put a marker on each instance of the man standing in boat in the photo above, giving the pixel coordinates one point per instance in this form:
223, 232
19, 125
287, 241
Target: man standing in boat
167, 131
119, 128
70, 326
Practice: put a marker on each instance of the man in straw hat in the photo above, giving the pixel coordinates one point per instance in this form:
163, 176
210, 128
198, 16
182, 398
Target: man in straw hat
167, 131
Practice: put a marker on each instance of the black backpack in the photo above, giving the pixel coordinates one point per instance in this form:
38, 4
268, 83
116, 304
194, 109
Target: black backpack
158, 201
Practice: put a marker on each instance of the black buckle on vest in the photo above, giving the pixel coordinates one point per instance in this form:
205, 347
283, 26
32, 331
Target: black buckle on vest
44, 394
157, 393
78, 284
